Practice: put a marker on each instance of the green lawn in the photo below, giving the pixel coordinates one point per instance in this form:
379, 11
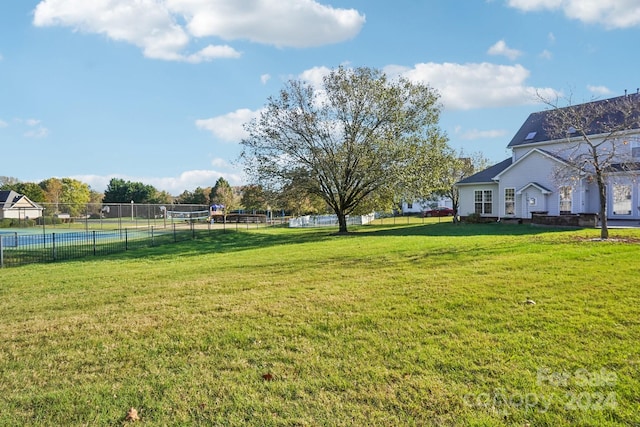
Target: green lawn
394, 324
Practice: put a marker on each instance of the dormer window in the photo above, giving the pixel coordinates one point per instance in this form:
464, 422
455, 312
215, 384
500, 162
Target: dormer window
530, 136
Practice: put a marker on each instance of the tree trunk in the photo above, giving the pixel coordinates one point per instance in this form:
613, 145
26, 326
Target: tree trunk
342, 223
602, 192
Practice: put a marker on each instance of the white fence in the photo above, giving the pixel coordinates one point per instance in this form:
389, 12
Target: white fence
328, 220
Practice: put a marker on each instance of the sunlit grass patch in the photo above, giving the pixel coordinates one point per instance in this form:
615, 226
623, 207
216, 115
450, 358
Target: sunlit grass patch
394, 324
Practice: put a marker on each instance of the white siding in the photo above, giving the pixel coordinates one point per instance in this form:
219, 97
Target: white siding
467, 198
538, 168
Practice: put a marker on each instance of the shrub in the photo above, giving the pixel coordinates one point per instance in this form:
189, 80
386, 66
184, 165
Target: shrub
474, 218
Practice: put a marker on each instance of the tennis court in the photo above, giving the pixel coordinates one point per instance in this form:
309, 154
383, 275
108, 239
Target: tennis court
28, 246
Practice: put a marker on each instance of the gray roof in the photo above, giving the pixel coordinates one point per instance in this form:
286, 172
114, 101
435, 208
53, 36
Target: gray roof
8, 198
537, 185
533, 130
487, 174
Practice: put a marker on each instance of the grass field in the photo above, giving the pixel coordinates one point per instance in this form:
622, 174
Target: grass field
405, 324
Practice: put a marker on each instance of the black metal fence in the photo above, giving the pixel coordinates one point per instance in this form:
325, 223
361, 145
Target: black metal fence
56, 231
19, 249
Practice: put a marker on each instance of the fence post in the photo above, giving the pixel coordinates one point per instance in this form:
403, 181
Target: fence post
94, 243
1, 254
152, 241
53, 246
126, 240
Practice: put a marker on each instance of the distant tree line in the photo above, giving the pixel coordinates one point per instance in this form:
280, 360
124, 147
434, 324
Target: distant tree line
70, 195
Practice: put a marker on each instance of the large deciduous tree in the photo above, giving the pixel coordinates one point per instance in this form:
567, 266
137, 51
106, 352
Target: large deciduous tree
358, 138
32, 190
293, 198
199, 196
254, 198
52, 188
121, 191
67, 194
596, 142
222, 194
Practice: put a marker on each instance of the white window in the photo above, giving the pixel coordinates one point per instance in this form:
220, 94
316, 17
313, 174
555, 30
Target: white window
622, 200
483, 202
509, 201
565, 200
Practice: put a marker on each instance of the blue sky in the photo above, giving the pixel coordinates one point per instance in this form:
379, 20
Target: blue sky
157, 90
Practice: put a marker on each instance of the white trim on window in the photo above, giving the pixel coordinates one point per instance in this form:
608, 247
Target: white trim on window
483, 202
565, 199
510, 201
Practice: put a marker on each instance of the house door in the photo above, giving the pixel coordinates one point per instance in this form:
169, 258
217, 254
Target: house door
532, 201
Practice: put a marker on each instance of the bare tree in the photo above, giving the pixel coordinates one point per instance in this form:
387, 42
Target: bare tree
596, 141
6, 182
459, 166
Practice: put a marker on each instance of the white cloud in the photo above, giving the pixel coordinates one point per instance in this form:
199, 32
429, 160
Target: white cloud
475, 85
220, 163
501, 48
315, 75
40, 132
472, 134
188, 180
599, 90
292, 23
156, 26
35, 130
228, 127
545, 54
148, 24
210, 53
265, 78
3, 124
608, 13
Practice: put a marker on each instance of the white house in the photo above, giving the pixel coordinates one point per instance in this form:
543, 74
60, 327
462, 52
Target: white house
14, 205
538, 177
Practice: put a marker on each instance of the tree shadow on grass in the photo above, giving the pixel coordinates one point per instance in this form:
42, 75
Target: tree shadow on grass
460, 230
219, 241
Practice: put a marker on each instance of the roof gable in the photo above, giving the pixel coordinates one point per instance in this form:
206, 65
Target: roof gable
541, 188
545, 153
534, 129
10, 199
